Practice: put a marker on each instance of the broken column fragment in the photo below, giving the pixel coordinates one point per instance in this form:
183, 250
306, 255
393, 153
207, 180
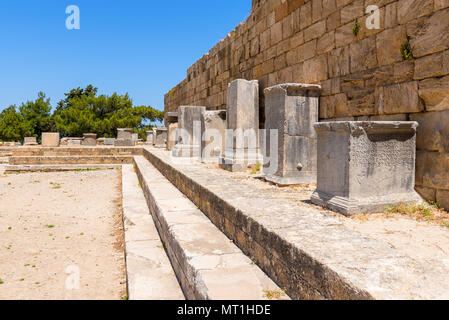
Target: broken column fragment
291, 111
171, 119
213, 132
242, 134
365, 166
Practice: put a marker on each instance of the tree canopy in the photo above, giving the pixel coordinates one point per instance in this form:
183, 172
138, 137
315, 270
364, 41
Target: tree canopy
82, 111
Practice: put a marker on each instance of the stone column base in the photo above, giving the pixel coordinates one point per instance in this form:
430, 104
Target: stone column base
186, 151
239, 160
305, 178
350, 207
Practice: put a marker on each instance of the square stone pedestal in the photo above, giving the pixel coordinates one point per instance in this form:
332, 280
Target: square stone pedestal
150, 137
160, 138
50, 139
291, 110
171, 118
242, 133
125, 134
188, 137
365, 166
90, 140
213, 134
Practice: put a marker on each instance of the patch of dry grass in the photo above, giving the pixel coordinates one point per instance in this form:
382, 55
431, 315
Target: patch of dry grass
425, 211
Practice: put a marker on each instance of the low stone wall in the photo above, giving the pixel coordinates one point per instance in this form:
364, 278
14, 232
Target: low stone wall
363, 76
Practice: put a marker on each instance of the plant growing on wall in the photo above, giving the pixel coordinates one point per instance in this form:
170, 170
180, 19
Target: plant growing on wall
406, 50
356, 27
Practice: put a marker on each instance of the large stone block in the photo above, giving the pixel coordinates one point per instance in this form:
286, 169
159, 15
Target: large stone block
188, 138
291, 110
398, 98
90, 139
435, 93
125, 133
433, 131
213, 134
171, 118
242, 118
365, 166
150, 137
50, 139
160, 138
432, 169
30, 141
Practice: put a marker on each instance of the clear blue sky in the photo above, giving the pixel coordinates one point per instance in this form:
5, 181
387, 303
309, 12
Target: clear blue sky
142, 47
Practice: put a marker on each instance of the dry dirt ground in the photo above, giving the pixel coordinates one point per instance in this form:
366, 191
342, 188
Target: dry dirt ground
54, 226
417, 236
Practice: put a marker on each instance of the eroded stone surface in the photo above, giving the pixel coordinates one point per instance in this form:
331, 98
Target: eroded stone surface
365, 166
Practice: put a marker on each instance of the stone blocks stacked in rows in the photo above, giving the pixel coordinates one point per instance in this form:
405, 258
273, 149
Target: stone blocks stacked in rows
242, 136
213, 133
188, 138
290, 111
365, 166
50, 139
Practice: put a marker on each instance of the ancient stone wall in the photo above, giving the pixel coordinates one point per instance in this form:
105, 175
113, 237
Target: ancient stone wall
364, 76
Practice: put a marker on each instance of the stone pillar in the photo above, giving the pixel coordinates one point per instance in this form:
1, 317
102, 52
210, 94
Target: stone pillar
50, 139
365, 166
124, 138
160, 138
30, 141
242, 134
188, 138
171, 118
90, 139
150, 137
213, 134
291, 111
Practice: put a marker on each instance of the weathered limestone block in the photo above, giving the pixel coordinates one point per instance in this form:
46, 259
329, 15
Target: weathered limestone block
242, 134
90, 139
160, 138
365, 166
435, 93
171, 119
50, 139
291, 110
150, 137
398, 98
124, 138
432, 169
213, 135
30, 141
188, 138
429, 35
74, 142
433, 131
135, 137
443, 198
125, 133
109, 141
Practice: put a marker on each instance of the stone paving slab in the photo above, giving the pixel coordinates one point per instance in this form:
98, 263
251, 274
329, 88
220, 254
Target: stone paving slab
150, 274
304, 250
208, 264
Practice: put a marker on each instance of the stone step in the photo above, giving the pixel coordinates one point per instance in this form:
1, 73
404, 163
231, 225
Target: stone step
76, 151
4, 160
149, 272
208, 265
62, 160
305, 250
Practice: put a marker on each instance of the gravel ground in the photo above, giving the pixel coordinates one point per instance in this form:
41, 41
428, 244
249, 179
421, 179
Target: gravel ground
61, 236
